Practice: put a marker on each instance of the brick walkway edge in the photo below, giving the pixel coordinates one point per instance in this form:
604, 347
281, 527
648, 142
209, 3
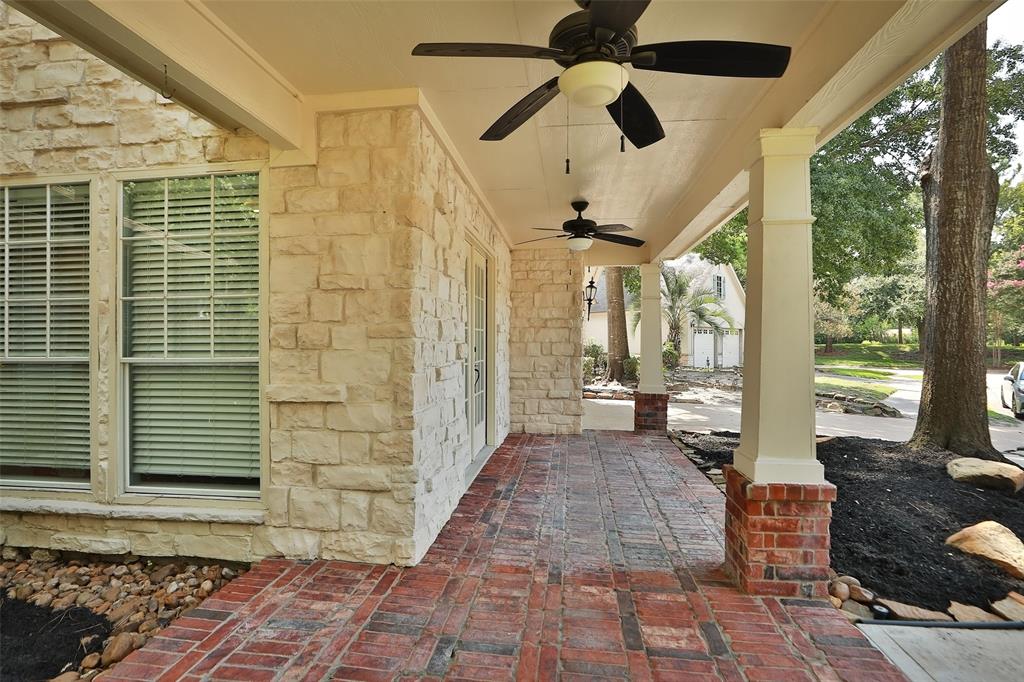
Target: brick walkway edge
571, 557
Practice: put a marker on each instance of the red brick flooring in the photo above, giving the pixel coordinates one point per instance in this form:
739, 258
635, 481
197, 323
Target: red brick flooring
574, 558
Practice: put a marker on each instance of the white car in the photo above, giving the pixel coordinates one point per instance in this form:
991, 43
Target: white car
1012, 390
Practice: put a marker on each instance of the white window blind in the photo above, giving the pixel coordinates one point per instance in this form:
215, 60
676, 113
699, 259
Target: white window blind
44, 371
190, 342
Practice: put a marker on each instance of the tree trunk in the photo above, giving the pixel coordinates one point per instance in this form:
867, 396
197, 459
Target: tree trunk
960, 191
618, 338
921, 342
899, 333
828, 344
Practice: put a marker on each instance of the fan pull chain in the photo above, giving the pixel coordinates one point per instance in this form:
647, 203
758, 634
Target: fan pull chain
567, 137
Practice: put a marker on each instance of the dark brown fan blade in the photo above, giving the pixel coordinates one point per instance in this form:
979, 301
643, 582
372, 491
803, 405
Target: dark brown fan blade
484, 50
618, 239
614, 227
549, 229
557, 236
639, 123
718, 58
615, 15
522, 110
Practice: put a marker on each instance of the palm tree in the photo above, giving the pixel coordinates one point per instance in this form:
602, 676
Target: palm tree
681, 302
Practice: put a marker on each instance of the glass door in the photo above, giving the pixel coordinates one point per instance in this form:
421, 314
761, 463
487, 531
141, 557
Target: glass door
477, 412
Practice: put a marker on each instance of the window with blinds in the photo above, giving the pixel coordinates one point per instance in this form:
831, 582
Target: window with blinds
190, 339
44, 308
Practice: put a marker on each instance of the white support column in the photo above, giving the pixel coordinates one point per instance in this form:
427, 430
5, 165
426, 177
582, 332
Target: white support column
652, 379
777, 426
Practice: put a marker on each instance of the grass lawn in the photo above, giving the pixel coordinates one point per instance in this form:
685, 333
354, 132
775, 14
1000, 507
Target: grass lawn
860, 389
860, 373
1000, 418
894, 355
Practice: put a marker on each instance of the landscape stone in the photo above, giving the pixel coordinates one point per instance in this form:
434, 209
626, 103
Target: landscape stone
992, 541
1011, 608
858, 593
907, 612
117, 648
986, 474
857, 609
839, 590
965, 613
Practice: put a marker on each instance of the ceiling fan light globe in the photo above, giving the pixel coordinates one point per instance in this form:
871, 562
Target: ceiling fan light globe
579, 243
593, 84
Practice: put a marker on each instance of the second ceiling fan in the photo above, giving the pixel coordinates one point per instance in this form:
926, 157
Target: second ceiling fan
593, 44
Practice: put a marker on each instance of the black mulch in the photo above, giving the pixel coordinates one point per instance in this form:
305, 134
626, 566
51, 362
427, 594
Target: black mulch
38, 643
896, 508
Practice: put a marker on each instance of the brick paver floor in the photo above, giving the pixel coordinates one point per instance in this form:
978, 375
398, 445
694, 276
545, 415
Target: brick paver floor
571, 557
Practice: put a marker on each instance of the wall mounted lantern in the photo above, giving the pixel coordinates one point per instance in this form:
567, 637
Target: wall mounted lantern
590, 295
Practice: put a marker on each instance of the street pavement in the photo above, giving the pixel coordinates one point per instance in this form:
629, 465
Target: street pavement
618, 415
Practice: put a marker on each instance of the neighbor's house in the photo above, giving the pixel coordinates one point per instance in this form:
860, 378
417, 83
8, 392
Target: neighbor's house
301, 329
701, 346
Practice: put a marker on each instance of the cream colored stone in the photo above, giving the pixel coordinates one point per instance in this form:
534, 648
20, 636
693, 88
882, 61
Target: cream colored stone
214, 547
314, 335
347, 477
289, 274
244, 148
371, 367
311, 200
289, 308
152, 544
357, 546
359, 255
59, 74
344, 224
151, 124
300, 415
283, 336
331, 130
112, 543
275, 499
348, 337
291, 543
390, 516
316, 447
305, 393
355, 448
326, 306
994, 542
359, 417
343, 167
355, 510
314, 509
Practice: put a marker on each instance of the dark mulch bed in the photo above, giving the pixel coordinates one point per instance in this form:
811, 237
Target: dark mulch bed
896, 508
38, 643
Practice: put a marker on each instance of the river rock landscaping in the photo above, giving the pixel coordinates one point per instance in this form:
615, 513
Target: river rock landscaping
895, 511
71, 617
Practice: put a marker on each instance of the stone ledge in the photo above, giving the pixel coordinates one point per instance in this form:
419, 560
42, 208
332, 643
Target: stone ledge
130, 511
306, 393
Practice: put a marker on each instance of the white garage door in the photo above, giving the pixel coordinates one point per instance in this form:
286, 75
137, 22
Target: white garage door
703, 355
731, 349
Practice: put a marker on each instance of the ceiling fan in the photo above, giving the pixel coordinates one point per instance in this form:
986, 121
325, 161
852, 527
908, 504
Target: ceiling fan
592, 45
581, 232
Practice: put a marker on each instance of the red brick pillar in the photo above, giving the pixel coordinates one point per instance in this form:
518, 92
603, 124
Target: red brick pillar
776, 536
650, 412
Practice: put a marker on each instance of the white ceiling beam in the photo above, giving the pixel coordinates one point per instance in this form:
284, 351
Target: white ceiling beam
211, 71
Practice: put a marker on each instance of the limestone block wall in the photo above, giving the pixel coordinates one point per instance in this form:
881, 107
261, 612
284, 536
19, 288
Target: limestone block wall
447, 218
364, 319
546, 347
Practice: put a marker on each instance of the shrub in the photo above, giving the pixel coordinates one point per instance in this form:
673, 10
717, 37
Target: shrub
669, 356
631, 368
597, 352
588, 369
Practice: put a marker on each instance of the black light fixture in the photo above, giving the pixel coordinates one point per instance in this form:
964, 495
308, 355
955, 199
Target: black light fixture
590, 295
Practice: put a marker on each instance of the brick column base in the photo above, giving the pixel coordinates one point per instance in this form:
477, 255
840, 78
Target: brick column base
650, 412
776, 536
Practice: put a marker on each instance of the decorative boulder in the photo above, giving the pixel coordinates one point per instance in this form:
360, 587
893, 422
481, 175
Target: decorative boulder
992, 541
907, 612
965, 613
1011, 608
986, 474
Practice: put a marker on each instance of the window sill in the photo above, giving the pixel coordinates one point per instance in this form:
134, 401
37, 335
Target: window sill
137, 512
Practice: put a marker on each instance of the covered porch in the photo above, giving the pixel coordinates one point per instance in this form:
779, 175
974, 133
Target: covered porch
593, 556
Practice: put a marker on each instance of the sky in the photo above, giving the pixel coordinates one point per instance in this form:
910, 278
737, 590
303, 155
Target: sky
1007, 24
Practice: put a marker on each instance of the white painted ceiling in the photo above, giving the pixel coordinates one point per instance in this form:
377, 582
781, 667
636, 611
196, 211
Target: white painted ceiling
332, 47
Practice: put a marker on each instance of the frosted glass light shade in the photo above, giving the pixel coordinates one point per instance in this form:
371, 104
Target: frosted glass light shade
593, 84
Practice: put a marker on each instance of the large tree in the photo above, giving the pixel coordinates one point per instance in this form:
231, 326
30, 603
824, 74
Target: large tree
960, 190
618, 337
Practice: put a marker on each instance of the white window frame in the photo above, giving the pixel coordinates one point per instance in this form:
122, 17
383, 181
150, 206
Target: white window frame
122, 364
48, 182
720, 287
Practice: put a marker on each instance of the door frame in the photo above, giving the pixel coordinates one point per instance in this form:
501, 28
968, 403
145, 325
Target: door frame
480, 456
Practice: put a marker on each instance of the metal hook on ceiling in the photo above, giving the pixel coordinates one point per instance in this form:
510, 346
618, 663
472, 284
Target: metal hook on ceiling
165, 92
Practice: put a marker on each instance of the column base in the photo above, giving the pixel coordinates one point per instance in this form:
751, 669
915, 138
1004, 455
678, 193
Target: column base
776, 536
650, 412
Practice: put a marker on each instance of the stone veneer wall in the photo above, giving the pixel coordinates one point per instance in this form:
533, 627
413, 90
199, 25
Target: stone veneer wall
366, 316
546, 341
